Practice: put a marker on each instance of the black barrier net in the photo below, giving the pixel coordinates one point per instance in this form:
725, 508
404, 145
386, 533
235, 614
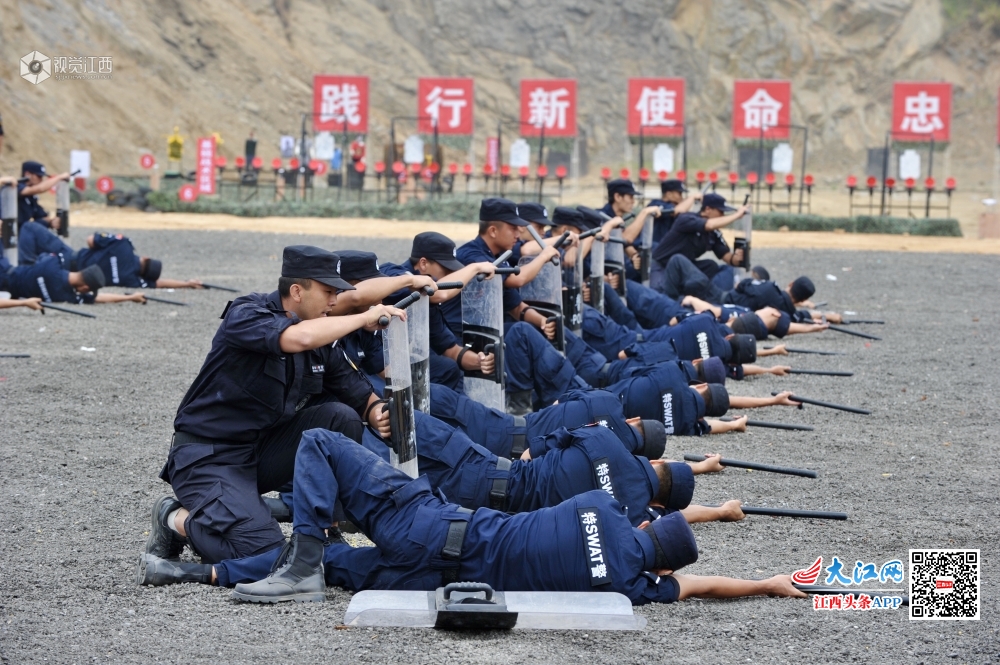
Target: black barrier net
858, 224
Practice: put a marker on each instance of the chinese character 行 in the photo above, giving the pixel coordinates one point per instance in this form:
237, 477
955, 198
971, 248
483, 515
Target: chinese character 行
452, 98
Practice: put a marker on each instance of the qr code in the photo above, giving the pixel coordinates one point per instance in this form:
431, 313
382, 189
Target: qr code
944, 585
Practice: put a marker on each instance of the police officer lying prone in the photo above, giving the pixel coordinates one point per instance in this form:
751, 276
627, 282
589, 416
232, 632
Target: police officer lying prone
48, 281
587, 543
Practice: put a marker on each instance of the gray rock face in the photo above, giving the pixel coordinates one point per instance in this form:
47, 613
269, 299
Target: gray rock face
214, 66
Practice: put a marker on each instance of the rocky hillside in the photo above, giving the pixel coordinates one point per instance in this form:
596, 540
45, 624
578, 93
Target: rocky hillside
229, 66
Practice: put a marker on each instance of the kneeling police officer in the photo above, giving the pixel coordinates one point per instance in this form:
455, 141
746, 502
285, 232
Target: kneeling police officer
274, 371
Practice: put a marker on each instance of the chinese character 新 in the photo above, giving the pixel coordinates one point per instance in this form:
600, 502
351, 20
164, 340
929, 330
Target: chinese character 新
548, 108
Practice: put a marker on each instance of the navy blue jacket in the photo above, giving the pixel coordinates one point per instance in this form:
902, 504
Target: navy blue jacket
687, 236
36, 239
477, 251
118, 261
44, 279
28, 207
247, 383
660, 393
756, 294
442, 337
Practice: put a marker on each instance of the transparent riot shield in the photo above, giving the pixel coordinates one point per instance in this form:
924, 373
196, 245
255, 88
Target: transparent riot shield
596, 280
646, 249
544, 295
573, 292
62, 207
744, 242
399, 392
418, 331
8, 214
482, 331
614, 259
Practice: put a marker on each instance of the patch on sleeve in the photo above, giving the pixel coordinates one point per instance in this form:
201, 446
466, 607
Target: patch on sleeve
593, 546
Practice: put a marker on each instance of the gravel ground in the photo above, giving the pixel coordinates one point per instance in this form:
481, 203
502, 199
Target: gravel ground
86, 432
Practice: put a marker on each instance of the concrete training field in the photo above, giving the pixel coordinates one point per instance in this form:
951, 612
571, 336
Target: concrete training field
85, 434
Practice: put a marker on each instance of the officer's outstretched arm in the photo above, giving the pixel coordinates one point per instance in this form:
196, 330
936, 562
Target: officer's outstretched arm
373, 291
33, 303
315, 333
531, 270
725, 220
465, 275
701, 586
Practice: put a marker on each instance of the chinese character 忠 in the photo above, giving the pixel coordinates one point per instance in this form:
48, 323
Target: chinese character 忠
921, 114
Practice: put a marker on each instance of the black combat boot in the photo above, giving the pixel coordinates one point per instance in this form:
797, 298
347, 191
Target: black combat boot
164, 542
154, 571
298, 575
519, 402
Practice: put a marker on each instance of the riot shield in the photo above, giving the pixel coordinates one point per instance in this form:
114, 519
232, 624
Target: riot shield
573, 293
614, 259
539, 610
8, 215
62, 207
544, 294
596, 279
646, 249
418, 332
482, 332
744, 242
399, 392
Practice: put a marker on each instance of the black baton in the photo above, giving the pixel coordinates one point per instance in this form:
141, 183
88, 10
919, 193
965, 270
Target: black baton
500, 259
829, 405
789, 512
847, 322
206, 285
805, 473
854, 332
818, 353
444, 286
46, 305
764, 423
819, 372
164, 300
14, 355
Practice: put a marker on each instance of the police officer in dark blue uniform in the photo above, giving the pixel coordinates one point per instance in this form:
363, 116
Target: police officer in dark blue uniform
672, 202
35, 181
586, 543
275, 369
433, 255
531, 363
509, 436
116, 256
562, 464
691, 235
36, 239
47, 280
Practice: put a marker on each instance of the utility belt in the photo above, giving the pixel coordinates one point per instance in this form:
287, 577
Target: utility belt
498, 491
452, 550
183, 438
520, 442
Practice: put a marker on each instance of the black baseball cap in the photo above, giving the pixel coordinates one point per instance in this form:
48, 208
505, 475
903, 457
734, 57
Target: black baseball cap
591, 217
802, 289
654, 439
356, 266
717, 402
436, 247
93, 277
563, 216
621, 186
673, 185
744, 349
534, 212
151, 271
673, 542
307, 262
716, 201
33, 167
500, 210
